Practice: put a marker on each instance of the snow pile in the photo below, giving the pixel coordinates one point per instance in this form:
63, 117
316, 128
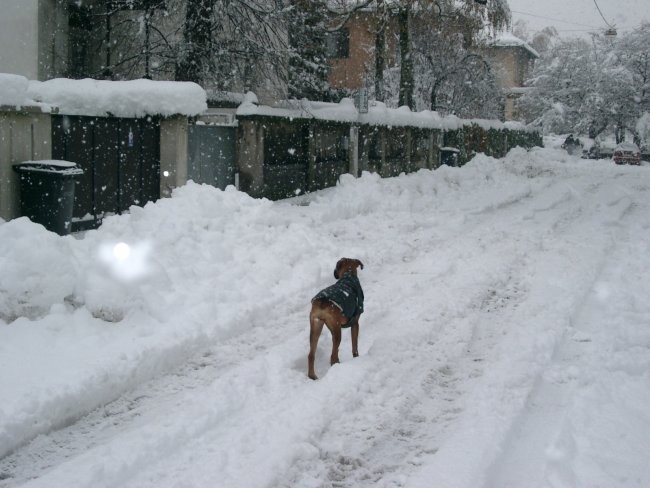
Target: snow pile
31, 283
504, 342
135, 98
13, 90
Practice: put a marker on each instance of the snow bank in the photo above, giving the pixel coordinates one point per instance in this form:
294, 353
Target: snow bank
32, 282
135, 98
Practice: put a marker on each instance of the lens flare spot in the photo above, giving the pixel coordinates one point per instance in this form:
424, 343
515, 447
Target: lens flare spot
121, 251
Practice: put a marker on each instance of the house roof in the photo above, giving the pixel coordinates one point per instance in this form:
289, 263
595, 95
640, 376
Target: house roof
508, 39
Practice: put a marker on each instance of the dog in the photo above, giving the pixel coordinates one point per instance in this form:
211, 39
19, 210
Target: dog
337, 306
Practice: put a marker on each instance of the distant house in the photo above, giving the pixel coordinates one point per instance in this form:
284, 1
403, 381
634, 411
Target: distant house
514, 59
351, 50
352, 58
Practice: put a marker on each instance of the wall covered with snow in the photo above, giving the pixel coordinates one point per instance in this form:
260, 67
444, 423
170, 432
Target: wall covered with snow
378, 114
135, 98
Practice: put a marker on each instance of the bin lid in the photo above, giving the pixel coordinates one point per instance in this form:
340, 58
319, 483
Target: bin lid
59, 167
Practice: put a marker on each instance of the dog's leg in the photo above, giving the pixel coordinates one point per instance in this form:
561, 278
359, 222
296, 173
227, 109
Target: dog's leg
315, 328
354, 332
336, 342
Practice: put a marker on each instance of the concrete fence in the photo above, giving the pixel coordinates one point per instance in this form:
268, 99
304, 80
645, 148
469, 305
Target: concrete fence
277, 153
283, 156
25, 135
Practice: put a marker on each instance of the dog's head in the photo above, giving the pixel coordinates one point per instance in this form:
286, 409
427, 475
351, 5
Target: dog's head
346, 264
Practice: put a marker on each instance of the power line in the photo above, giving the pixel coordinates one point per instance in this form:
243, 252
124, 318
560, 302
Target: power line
601, 14
554, 20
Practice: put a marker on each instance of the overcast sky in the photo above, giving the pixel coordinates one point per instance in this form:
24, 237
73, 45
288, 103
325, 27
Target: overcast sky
573, 17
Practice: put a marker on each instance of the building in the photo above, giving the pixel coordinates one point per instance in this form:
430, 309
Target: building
352, 51
34, 38
352, 58
514, 60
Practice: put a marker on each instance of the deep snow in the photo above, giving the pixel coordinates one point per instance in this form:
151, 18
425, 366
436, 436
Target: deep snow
505, 343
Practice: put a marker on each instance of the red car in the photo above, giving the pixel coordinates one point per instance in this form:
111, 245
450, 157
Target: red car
627, 153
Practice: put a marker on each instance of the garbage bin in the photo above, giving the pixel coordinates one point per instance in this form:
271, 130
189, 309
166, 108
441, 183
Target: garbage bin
47, 193
449, 156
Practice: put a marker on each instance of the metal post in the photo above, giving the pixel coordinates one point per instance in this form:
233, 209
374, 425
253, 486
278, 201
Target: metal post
354, 151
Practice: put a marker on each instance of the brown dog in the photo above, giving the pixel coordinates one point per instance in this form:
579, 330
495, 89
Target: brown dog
337, 306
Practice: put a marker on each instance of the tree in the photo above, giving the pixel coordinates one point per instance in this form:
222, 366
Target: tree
541, 40
468, 18
452, 77
238, 42
196, 55
633, 53
120, 39
308, 30
591, 87
222, 44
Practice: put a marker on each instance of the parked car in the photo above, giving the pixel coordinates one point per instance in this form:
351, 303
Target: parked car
627, 153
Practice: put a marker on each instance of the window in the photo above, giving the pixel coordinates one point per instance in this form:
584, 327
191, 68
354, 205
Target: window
338, 44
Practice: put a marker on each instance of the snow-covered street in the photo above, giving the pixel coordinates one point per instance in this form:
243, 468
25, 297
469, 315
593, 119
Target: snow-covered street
505, 341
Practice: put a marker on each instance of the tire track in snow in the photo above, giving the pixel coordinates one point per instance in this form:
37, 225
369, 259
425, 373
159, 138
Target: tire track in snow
540, 422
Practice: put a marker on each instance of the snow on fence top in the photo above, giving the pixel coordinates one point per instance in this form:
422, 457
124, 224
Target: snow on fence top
135, 98
13, 90
378, 114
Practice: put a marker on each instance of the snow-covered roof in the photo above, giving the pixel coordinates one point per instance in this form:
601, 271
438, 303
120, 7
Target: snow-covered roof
135, 98
378, 114
507, 39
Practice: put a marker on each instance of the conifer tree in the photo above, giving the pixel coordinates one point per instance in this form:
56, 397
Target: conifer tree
308, 30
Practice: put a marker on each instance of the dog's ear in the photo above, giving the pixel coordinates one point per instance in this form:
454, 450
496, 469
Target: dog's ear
337, 269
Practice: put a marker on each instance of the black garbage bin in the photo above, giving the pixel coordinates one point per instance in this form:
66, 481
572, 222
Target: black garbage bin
47, 193
449, 156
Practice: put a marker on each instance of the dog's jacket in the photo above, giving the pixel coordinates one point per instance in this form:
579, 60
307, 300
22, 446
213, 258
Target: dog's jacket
346, 294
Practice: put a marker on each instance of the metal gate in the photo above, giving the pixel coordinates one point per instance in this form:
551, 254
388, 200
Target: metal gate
211, 155
121, 162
